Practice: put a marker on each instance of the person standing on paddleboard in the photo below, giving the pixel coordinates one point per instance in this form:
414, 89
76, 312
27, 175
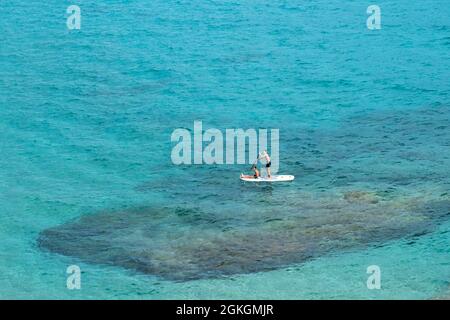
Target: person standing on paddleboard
265, 155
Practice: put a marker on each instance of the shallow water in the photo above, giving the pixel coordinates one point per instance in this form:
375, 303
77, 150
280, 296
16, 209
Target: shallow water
86, 118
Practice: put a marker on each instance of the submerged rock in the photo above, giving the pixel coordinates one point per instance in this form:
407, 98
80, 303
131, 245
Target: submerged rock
184, 245
361, 196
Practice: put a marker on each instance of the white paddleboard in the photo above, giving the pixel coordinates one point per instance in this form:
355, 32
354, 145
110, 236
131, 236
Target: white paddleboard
273, 178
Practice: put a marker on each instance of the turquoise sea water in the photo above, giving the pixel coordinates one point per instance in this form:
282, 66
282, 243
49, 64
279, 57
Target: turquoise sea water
86, 118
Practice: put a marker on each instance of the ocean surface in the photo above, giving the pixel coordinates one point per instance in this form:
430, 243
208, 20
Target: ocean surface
86, 176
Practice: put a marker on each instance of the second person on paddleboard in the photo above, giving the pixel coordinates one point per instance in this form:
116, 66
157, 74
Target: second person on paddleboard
265, 155
255, 176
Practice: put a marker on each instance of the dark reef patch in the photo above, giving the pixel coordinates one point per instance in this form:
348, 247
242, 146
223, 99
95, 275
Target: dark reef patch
185, 245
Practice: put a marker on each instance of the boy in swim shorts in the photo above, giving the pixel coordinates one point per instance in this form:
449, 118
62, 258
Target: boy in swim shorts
265, 155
